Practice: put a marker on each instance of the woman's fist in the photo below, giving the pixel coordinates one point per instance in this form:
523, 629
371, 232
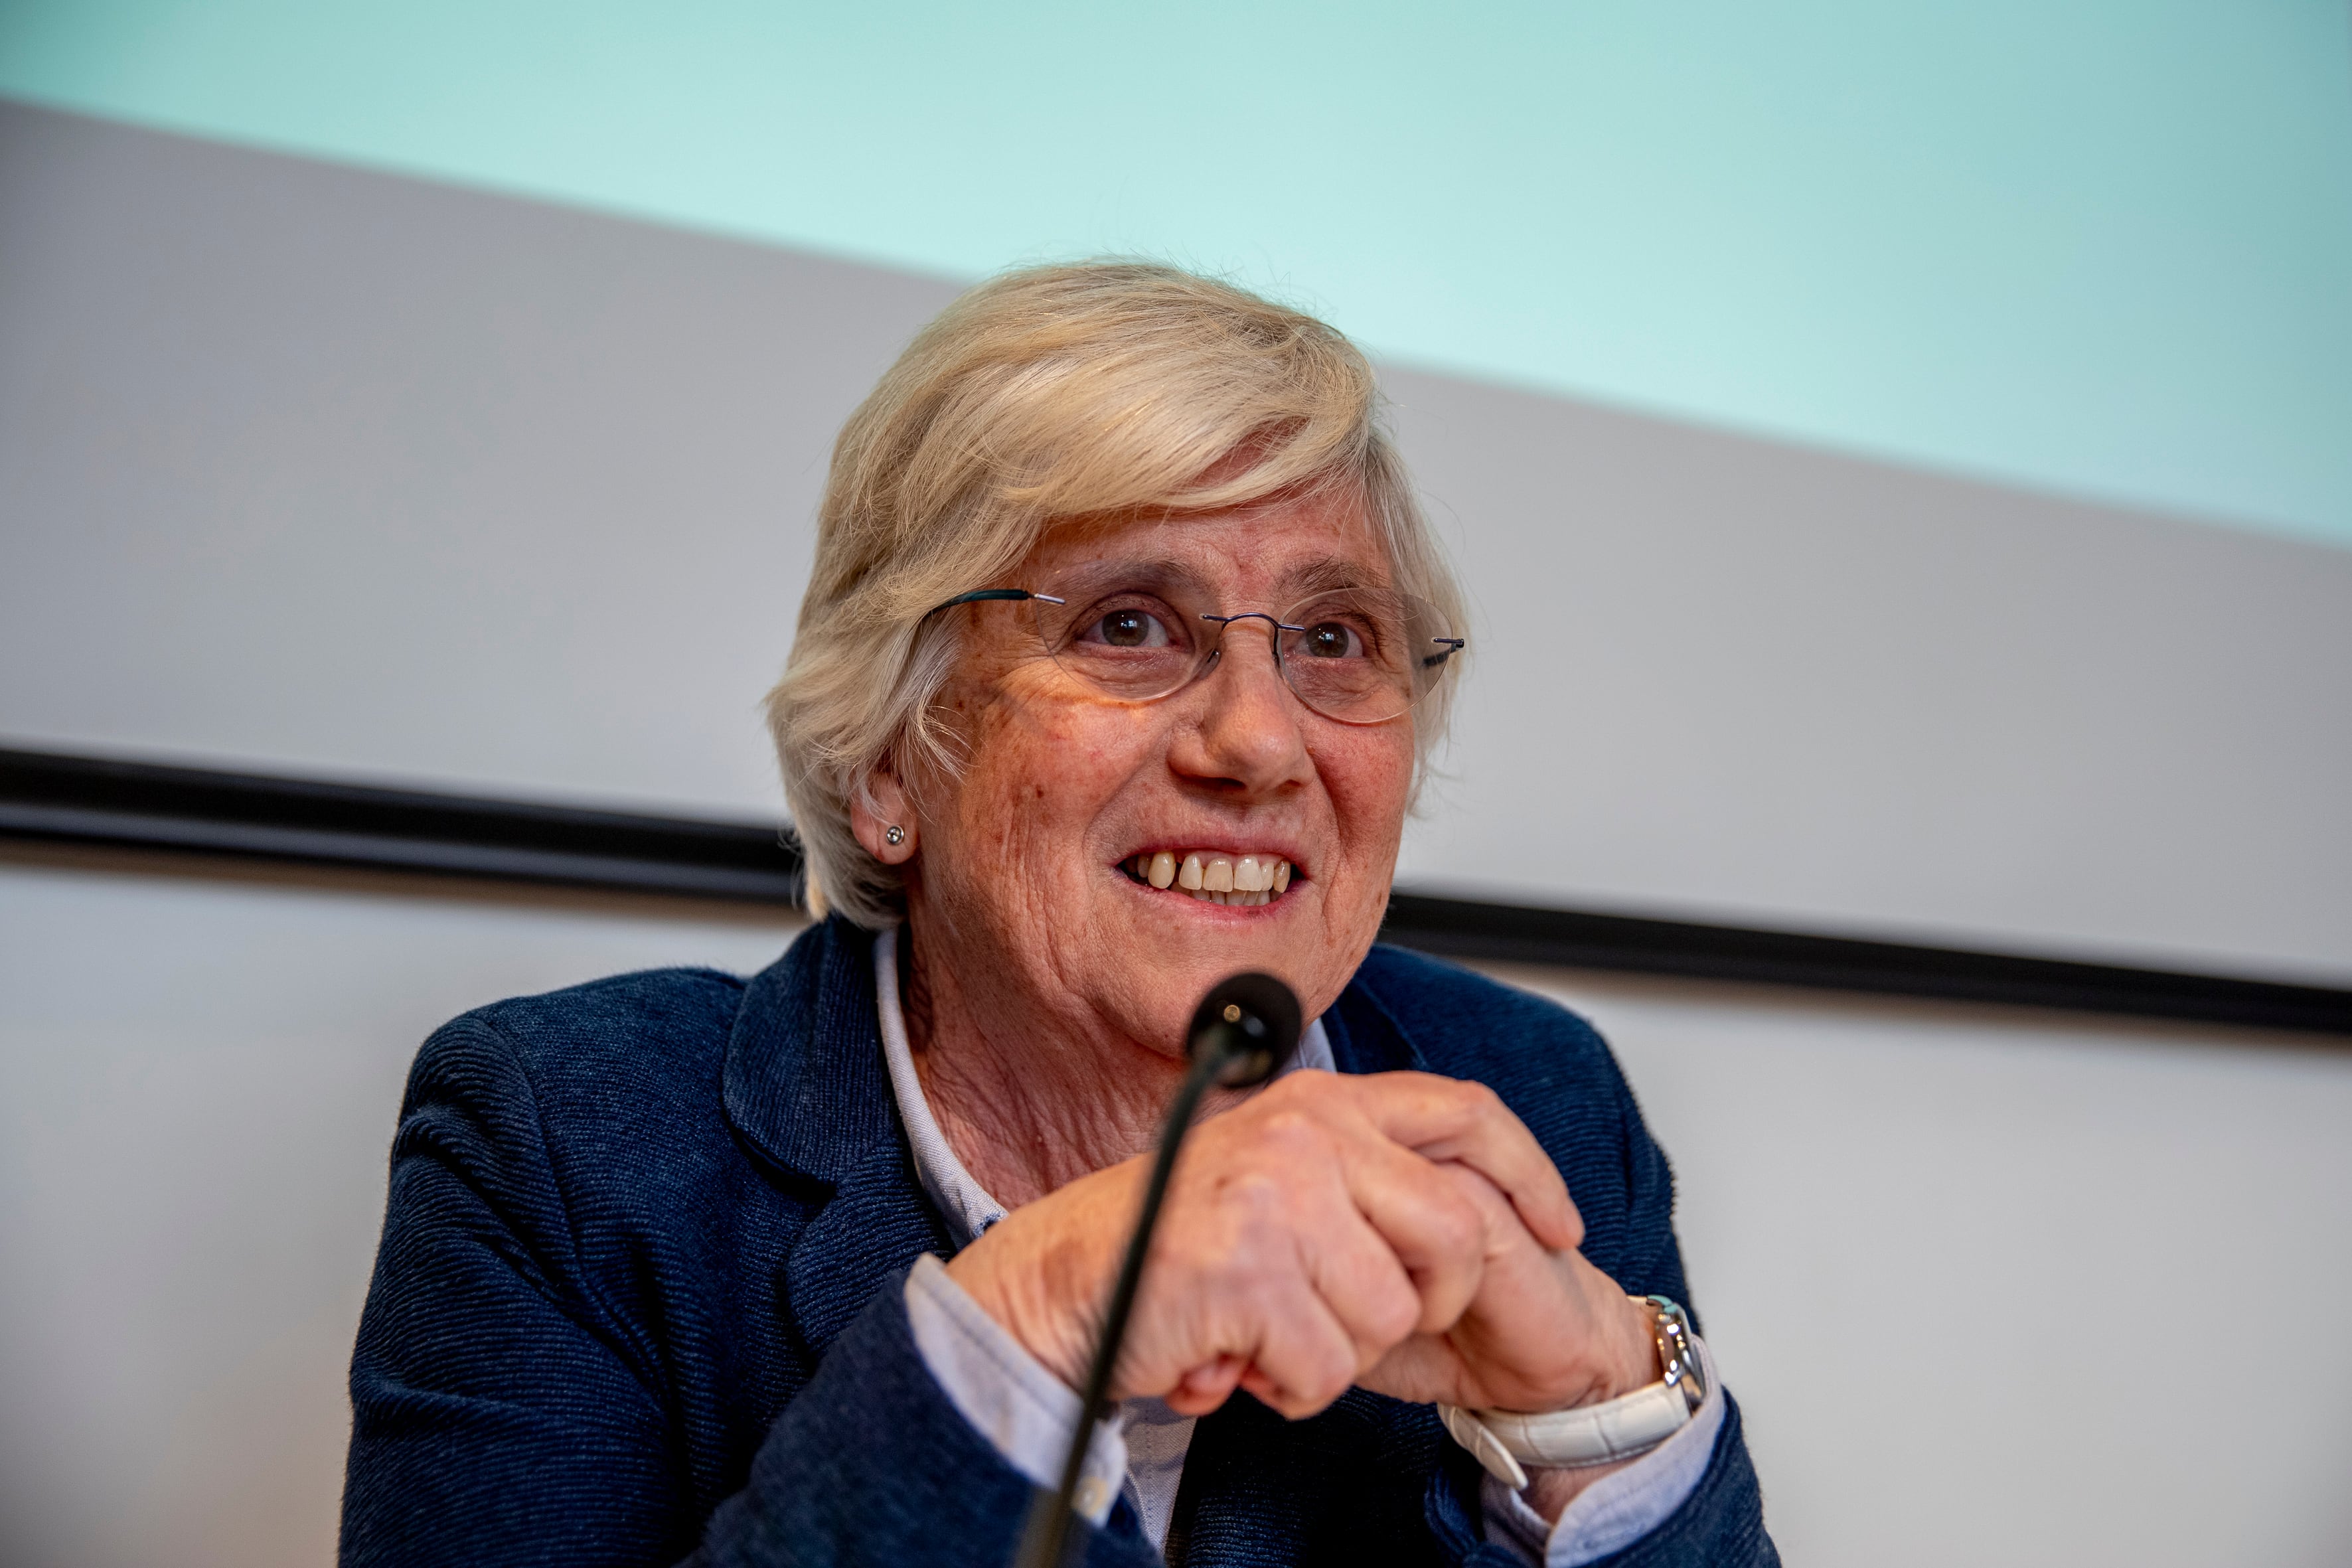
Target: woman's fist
1398, 1229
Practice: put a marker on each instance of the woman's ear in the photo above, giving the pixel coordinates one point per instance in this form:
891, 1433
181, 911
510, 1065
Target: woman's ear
879, 816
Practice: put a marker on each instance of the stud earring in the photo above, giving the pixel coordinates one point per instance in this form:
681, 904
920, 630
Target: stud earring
894, 835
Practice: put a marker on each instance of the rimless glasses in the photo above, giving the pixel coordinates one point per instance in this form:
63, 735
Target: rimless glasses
1137, 634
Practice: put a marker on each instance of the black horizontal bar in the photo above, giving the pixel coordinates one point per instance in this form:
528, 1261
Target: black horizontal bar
144, 805
1465, 929
92, 800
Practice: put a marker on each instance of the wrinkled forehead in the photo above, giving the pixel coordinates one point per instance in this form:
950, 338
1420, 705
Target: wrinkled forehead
1284, 552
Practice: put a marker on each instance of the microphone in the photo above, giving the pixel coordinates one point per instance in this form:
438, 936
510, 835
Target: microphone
1242, 1033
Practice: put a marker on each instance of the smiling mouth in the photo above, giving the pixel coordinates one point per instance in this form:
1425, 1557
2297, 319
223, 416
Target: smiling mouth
1212, 875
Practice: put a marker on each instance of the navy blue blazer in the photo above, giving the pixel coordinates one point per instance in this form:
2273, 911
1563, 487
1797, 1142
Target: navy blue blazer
638, 1298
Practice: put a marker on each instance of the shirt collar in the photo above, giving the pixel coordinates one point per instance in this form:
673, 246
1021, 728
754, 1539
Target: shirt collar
962, 1202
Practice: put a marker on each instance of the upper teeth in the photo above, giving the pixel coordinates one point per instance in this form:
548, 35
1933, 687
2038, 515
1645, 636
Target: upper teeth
1214, 875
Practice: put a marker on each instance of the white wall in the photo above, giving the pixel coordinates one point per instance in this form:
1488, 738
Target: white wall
1992, 1287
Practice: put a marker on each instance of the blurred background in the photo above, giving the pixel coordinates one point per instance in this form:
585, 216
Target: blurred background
1901, 459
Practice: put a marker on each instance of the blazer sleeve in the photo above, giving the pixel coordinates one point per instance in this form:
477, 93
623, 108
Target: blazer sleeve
502, 1414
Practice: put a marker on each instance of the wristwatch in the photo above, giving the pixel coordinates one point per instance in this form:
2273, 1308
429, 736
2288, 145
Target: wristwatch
1507, 1442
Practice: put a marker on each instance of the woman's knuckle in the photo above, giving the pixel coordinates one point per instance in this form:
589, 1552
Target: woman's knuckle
1332, 1379
1293, 1089
1465, 1200
1479, 1099
1395, 1315
1297, 1133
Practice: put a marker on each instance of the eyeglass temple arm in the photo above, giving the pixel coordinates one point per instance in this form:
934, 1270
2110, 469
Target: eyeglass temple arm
978, 595
1453, 646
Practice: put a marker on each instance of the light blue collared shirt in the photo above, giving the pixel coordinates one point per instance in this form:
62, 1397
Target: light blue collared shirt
1028, 1413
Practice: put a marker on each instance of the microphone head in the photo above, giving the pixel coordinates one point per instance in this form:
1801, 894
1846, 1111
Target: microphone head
1250, 1020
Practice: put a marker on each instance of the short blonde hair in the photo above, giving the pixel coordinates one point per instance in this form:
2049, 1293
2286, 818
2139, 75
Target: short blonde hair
1049, 394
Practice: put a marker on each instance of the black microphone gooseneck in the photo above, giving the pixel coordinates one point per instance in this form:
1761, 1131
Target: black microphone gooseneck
1244, 1029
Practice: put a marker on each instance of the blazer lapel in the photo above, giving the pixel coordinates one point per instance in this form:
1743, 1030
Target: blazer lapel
877, 1223
805, 1085
804, 1081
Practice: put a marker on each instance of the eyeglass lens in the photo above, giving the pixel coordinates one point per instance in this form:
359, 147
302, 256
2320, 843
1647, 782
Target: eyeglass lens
1361, 656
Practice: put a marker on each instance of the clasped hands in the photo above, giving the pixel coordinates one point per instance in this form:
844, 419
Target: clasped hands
1398, 1231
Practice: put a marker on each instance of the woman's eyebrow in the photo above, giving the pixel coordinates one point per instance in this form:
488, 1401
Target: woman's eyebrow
1172, 572
1160, 573
1331, 572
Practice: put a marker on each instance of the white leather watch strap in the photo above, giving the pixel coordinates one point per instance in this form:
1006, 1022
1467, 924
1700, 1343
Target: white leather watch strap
1505, 1442
1484, 1446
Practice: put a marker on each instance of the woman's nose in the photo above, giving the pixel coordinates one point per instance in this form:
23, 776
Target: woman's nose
1249, 732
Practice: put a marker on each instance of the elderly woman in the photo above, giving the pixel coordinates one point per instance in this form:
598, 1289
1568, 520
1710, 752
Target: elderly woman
1124, 646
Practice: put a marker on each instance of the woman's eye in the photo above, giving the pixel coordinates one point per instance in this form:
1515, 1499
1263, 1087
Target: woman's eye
1331, 639
1129, 628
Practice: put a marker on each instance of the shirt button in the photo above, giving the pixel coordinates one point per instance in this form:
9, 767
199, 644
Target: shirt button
1093, 1497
